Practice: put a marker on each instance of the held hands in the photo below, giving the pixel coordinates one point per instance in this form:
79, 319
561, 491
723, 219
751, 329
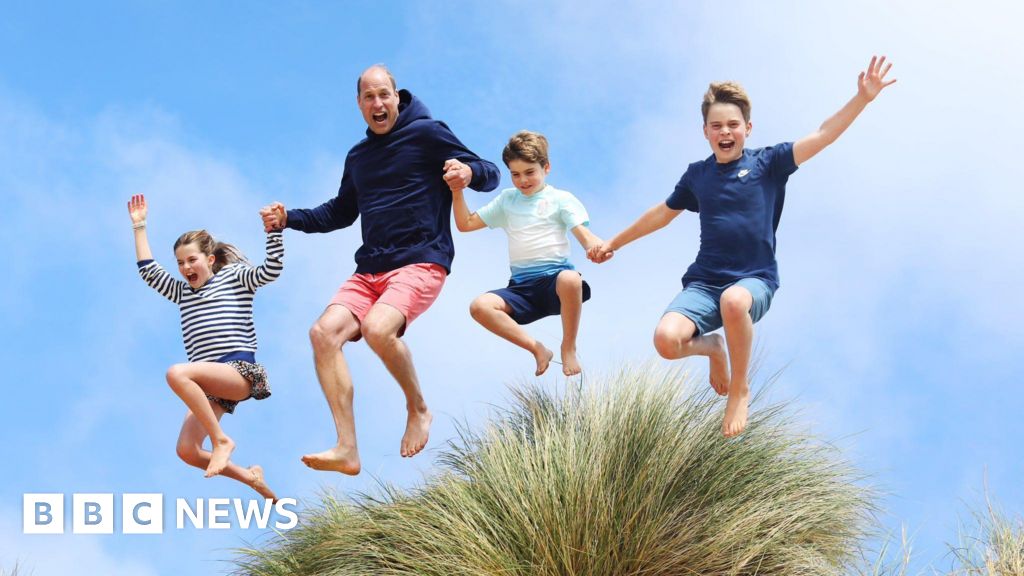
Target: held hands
600, 253
274, 217
872, 81
137, 210
457, 175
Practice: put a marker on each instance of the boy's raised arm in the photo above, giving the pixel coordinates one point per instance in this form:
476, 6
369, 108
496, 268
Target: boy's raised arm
655, 218
464, 220
869, 84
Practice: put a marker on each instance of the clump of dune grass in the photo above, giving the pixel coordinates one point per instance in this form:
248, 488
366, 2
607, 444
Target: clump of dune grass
995, 549
627, 476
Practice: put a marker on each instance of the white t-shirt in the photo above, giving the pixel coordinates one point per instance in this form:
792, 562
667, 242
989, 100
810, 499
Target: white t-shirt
536, 226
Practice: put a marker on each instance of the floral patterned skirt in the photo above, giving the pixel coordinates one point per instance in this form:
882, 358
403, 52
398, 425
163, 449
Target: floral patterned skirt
257, 377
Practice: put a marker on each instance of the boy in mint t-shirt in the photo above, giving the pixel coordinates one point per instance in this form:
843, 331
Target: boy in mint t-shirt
739, 195
536, 217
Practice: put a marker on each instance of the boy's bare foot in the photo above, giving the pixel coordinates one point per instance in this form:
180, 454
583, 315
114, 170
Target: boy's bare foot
543, 357
417, 430
219, 458
735, 420
337, 459
570, 365
719, 360
259, 485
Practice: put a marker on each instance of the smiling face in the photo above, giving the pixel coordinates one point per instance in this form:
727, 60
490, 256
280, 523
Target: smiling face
193, 265
726, 131
528, 177
378, 100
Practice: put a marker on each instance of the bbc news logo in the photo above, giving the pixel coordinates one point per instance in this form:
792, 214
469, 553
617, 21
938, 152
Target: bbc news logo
144, 513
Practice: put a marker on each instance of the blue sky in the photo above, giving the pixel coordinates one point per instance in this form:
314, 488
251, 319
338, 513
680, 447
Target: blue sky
898, 320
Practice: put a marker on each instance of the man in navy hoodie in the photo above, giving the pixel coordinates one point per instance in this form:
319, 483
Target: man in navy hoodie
398, 180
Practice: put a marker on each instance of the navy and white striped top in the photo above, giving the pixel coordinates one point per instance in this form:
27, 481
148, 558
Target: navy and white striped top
216, 319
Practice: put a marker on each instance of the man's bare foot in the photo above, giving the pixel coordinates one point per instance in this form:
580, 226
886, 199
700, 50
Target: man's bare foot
543, 357
222, 450
259, 485
735, 420
417, 430
719, 360
337, 459
570, 365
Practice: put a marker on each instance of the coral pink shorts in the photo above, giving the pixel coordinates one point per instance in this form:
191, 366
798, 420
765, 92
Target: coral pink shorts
410, 289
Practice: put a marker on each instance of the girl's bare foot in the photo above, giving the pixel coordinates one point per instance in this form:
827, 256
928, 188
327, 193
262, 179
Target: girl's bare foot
259, 485
220, 457
338, 459
543, 357
735, 420
417, 431
570, 365
719, 360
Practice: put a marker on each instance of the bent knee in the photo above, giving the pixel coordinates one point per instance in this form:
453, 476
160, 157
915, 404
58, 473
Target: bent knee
189, 454
569, 280
321, 337
377, 334
668, 342
177, 373
481, 306
735, 301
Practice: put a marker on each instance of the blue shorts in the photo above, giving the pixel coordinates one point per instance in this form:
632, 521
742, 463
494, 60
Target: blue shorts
699, 302
534, 299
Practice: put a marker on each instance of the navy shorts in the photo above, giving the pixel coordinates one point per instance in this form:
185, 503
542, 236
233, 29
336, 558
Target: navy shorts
534, 299
699, 302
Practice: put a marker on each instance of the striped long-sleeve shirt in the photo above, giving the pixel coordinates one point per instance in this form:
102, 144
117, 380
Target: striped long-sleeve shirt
216, 319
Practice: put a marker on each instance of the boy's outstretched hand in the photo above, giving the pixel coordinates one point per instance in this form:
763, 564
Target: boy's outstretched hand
600, 253
872, 81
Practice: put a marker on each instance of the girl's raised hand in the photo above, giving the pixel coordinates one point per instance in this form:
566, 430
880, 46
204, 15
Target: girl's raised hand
137, 208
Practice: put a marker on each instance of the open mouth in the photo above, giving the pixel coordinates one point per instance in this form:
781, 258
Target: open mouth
192, 278
726, 145
380, 117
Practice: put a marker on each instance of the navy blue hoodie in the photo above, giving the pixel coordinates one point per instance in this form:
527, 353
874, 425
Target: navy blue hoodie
395, 182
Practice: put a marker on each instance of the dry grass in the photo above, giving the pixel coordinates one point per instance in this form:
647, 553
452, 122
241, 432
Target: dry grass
630, 476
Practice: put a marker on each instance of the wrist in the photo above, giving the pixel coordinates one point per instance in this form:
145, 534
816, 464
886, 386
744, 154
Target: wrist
140, 225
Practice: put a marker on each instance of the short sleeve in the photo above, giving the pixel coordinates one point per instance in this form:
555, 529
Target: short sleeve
781, 160
683, 198
571, 211
493, 213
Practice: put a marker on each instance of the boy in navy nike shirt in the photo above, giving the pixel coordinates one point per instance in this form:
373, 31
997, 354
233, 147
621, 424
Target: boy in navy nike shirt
739, 195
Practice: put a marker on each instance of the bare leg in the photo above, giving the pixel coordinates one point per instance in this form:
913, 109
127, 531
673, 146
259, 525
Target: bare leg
675, 338
190, 449
569, 287
739, 335
336, 326
493, 313
380, 328
192, 382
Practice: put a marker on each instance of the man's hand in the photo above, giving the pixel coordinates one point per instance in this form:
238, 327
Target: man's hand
872, 81
457, 175
274, 217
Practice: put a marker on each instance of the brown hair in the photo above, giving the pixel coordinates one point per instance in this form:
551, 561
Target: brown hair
359, 81
223, 254
526, 146
726, 93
